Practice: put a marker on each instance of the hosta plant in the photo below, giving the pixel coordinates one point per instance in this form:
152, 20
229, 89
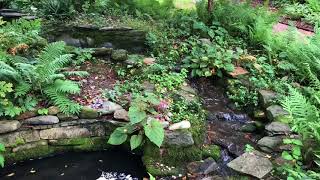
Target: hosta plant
141, 124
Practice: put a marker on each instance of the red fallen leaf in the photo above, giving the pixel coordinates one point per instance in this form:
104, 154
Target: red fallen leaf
238, 71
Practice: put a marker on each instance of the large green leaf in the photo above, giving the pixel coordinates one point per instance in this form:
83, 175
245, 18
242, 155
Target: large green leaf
118, 136
2, 148
136, 115
135, 141
1, 160
154, 131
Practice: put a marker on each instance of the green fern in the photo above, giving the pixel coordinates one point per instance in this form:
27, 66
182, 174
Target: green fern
305, 116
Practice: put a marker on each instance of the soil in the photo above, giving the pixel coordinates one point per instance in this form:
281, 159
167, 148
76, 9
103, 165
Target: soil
101, 77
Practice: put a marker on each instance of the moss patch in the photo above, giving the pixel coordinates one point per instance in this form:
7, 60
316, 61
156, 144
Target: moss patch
213, 151
39, 151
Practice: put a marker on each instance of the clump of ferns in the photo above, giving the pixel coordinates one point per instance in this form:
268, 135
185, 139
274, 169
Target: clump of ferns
45, 75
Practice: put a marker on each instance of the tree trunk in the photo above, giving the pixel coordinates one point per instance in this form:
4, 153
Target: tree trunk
210, 6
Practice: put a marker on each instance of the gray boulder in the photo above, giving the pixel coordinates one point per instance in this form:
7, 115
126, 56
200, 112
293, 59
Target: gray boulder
42, 120
253, 163
270, 144
276, 113
119, 55
278, 128
9, 126
121, 114
178, 138
266, 97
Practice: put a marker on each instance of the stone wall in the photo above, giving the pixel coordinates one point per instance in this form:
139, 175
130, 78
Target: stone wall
87, 36
24, 141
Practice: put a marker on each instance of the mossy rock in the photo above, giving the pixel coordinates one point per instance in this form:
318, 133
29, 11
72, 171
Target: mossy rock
213, 151
89, 113
40, 151
177, 157
119, 55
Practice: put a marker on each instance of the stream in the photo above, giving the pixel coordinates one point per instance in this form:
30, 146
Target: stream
224, 123
101, 165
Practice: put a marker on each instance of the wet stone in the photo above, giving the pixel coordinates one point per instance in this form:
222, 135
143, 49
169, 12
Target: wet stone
278, 128
9, 126
270, 144
253, 163
203, 167
276, 112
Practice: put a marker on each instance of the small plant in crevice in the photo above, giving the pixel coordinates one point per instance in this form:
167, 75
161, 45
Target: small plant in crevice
142, 125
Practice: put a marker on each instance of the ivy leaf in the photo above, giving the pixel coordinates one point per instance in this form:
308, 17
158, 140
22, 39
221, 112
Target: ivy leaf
118, 136
1, 160
136, 115
135, 141
285, 155
151, 177
154, 131
2, 148
296, 151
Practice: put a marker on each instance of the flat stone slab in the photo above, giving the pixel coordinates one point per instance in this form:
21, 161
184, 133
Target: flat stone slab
278, 128
276, 112
9, 126
42, 120
253, 163
64, 133
270, 144
178, 138
266, 97
280, 27
17, 138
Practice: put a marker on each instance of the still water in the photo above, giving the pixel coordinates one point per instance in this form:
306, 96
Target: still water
103, 165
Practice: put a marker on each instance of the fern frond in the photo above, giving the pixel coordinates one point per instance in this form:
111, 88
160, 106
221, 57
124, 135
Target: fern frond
66, 105
314, 81
52, 51
66, 86
22, 89
9, 73
26, 70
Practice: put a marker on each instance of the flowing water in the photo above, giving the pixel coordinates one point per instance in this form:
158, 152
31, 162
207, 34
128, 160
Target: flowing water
224, 122
103, 165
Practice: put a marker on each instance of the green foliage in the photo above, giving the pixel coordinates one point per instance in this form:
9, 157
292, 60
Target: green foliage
168, 80
17, 32
140, 125
45, 76
2, 150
